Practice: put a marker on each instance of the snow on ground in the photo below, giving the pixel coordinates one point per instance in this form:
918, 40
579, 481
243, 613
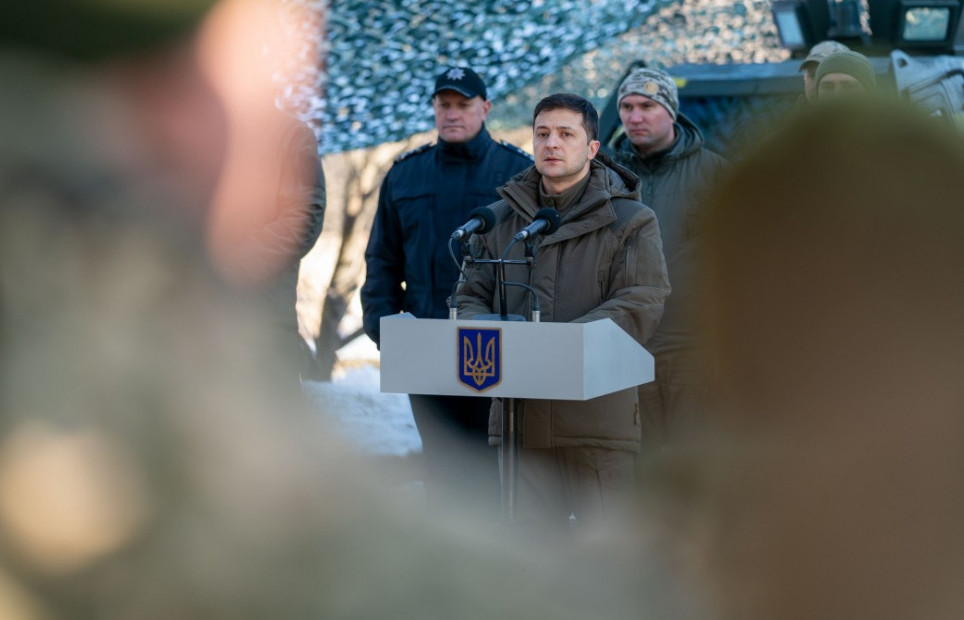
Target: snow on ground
379, 423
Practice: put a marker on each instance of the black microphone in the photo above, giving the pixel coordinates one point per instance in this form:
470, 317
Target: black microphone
546, 221
482, 220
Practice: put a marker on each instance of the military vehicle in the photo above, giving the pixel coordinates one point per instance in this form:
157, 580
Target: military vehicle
915, 46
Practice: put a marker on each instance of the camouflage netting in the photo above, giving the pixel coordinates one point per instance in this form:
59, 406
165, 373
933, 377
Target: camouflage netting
382, 56
693, 31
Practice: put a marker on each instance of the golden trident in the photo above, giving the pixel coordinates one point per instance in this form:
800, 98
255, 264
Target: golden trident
475, 365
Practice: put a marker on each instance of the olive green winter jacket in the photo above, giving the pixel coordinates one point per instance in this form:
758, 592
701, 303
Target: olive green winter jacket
673, 184
604, 261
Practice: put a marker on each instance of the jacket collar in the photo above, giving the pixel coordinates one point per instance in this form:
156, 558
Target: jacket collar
564, 201
588, 212
689, 139
473, 149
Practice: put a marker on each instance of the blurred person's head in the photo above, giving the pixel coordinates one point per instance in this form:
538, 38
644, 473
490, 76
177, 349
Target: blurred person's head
808, 68
127, 385
178, 95
648, 106
247, 46
833, 318
564, 129
92, 31
460, 104
843, 74
131, 75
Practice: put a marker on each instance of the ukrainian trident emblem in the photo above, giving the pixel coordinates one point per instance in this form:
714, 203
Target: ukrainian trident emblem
480, 357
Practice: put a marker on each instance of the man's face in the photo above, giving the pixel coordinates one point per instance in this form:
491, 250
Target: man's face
648, 124
458, 118
834, 85
562, 148
810, 81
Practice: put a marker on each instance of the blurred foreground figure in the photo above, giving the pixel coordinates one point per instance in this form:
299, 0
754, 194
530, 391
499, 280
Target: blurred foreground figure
835, 485
154, 463
297, 217
270, 203
141, 475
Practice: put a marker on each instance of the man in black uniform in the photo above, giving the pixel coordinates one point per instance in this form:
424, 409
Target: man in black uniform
427, 194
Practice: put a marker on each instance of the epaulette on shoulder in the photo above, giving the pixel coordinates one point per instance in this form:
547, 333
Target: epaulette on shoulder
515, 149
414, 151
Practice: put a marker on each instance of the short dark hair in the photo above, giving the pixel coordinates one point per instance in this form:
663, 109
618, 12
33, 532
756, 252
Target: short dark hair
569, 101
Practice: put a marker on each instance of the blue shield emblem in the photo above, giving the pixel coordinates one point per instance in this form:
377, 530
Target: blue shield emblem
480, 357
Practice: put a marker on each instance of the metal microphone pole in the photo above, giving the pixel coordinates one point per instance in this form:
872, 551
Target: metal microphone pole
510, 461
511, 418
500, 276
536, 312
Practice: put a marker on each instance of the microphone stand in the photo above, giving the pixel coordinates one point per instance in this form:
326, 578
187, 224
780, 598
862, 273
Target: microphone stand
511, 421
468, 259
501, 284
510, 461
500, 279
536, 311
509, 451
511, 418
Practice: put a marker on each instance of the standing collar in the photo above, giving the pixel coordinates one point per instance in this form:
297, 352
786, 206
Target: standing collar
562, 202
473, 149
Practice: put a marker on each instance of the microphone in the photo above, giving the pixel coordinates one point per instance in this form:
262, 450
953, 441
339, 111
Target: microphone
546, 221
482, 220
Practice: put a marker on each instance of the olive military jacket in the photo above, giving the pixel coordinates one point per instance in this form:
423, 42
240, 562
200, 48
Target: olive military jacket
604, 261
673, 184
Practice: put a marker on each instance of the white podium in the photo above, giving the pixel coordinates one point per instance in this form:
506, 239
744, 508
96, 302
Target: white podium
509, 360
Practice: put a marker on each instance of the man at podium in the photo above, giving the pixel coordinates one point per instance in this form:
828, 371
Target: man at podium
605, 260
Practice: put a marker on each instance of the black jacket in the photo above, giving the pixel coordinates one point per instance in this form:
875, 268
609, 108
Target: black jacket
427, 194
